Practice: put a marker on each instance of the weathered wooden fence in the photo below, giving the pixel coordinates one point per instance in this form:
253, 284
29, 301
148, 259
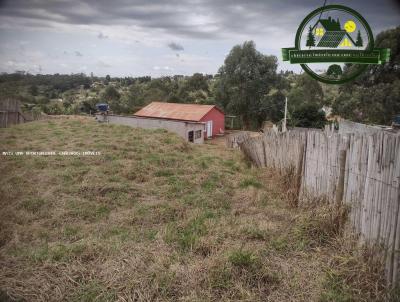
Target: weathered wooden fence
10, 113
8, 118
349, 127
233, 140
360, 170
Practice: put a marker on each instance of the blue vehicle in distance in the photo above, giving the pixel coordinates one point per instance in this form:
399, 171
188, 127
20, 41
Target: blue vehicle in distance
102, 112
103, 108
396, 122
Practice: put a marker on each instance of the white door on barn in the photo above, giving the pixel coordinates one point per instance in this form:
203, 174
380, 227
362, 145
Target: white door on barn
209, 128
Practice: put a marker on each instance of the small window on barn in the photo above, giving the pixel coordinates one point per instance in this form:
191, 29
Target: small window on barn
197, 134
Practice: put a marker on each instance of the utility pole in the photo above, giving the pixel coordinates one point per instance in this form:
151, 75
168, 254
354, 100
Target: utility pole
284, 129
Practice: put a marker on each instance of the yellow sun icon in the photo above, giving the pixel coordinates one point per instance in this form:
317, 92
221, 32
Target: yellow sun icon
350, 26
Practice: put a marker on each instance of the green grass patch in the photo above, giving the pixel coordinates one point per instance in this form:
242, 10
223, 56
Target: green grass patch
120, 232
53, 253
33, 204
242, 258
220, 278
212, 182
89, 211
164, 173
335, 290
250, 182
71, 232
279, 244
254, 233
187, 235
93, 291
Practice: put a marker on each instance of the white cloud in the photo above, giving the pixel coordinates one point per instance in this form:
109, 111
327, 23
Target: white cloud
151, 37
102, 64
163, 68
102, 36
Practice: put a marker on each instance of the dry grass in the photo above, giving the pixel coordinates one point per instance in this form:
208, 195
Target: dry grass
354, 274
154, 218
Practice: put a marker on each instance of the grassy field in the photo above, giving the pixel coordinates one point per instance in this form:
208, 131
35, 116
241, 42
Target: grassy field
154, 218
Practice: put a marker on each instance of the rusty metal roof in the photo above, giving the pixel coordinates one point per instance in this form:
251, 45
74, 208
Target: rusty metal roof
175, 111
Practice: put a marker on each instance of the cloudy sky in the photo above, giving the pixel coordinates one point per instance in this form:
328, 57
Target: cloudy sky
154, 37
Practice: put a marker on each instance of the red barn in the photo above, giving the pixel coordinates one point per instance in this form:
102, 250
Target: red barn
210, 115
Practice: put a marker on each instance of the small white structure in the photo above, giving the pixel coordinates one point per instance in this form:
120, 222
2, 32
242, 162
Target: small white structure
190, 131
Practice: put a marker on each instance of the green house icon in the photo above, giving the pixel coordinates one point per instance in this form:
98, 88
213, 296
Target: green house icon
328, 33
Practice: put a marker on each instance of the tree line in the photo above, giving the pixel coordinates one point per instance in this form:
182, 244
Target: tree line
248, 85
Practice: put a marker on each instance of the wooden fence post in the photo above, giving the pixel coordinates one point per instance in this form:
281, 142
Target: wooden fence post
394, 259
299, 172
340, 187
340, 190
264, 154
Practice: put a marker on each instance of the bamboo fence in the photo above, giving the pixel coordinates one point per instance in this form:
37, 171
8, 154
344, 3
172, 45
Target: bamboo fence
233, 140
361, 170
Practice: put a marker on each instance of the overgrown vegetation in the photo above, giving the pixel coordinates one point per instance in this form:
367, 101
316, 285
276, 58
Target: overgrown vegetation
154, 218
355, 275
374, 97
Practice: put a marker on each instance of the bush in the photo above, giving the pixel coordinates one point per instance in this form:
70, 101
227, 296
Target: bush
308, 116
54, 108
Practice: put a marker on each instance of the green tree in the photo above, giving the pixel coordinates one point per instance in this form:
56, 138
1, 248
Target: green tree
334, 70
374, 96
310, 38
110, 94
107, 80
89, 105
197, 82
305, 90
198, 96
245, 78
112, 97
33, 90
273, 106
42, 100
359, 41
308, 116
54, 108
135, 98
